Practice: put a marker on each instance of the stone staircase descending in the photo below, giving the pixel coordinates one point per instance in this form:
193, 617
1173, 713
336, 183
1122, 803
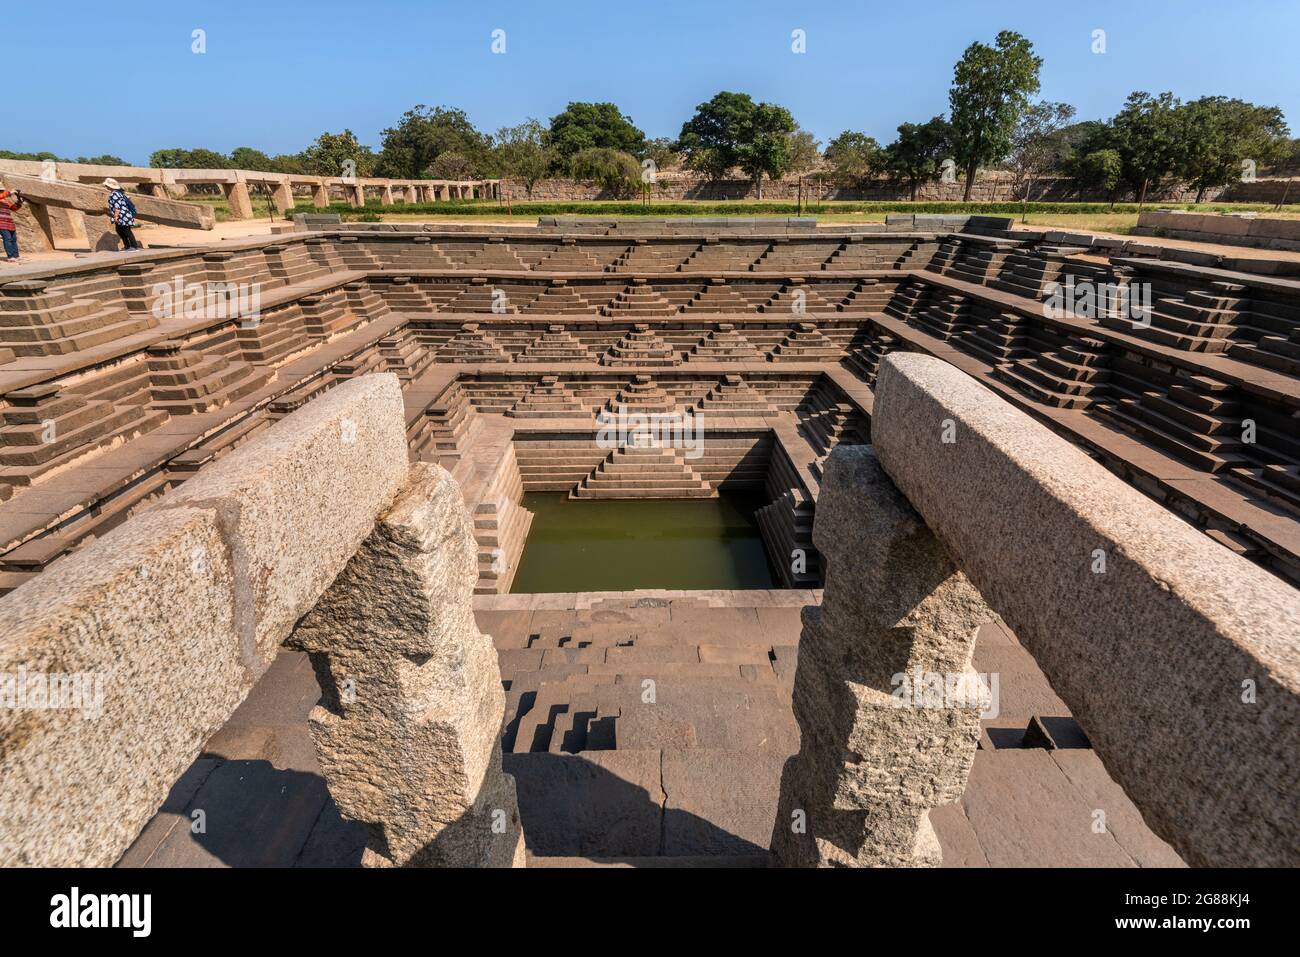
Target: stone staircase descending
1202, 320
724, 344
549, 399
650, 471
637, 300
805, 343
650, 728
641, 347
1074, 376
556, 344
183, 381
559, 298
1197, 419
786, 524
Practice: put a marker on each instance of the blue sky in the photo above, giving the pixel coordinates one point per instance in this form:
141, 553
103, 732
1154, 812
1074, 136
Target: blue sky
84, 81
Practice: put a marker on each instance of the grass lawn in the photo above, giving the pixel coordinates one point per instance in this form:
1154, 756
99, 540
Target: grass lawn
1084, 217
1095, 217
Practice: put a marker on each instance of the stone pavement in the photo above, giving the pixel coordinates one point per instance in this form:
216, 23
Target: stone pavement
606, 777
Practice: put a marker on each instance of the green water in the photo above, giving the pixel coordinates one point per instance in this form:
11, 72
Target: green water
619, 545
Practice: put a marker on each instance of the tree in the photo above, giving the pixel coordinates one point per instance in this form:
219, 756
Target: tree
853, 157
522, 152
423, 134
662, 151
335, 154
613, 170
990, 88
916, 155
731, 130
805, 152
585, 126
1148, 135
106, 159
1035, 147
1222, 134
1101, 170
450, 165
188, 159
245, 157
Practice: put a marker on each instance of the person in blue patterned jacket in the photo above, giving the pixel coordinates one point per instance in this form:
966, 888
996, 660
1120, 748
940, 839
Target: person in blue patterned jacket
122, 212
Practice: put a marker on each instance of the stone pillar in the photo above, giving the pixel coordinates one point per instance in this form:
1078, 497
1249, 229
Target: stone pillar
357, 193
241, 205
320, 195
101, 237
283, 197
386, 195
412, 194
444, 192
887, 704
409, 728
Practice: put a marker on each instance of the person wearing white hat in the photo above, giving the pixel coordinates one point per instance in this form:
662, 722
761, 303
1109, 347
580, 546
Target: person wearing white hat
122, 212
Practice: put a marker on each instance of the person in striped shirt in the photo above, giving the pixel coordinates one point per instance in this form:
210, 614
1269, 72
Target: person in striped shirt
10, 203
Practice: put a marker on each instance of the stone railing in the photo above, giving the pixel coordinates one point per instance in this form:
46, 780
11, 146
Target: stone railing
235, 183
115, 670
1179, 659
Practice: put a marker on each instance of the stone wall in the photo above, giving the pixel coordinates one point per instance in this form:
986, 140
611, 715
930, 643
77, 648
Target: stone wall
1233, 230
990, 186
152, 635
1178, 657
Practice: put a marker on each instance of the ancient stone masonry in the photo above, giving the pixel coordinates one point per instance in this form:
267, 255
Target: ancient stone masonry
679, 360
1178, 657
887, 704
167, 621
408, 732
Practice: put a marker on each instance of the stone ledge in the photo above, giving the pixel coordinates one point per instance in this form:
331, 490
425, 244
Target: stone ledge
172, 617
1151, 654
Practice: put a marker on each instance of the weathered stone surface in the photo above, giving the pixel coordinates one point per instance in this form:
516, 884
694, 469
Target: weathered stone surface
296, 502
408, 733
1178, 658
94, 199
175, 614
146, 615
876, 754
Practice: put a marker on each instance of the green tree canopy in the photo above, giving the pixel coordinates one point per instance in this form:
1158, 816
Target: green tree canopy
332, 153
612, 170
585, 126
1221, 135
522, 152
1102, 170
1035, 144
1149, 136
245, 157
731, 130
189, 159
991, 85
853, 157
805, 152
917, 153
423, 134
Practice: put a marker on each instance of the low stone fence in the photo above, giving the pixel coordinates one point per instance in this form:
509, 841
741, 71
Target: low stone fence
120, 663
1180, 659
1237, 229
235, 184
54, 211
